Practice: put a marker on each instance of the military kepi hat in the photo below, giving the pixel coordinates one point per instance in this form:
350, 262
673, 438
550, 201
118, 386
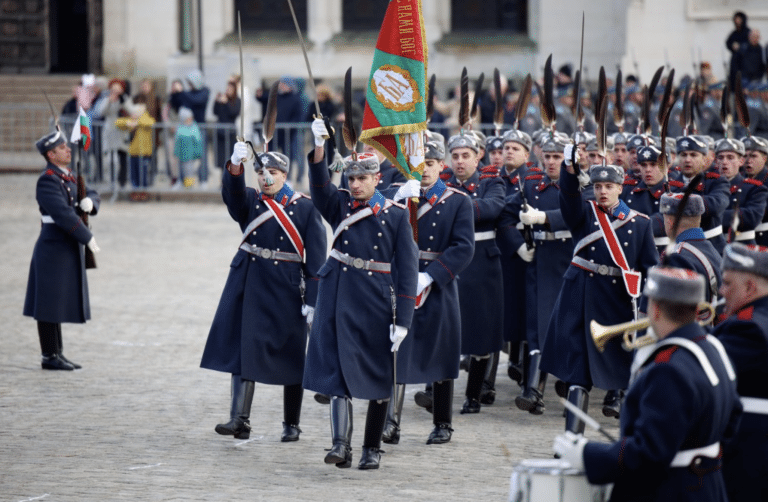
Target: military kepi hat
746, 258
675, 285
462, 141
365, 163
692, 144
606, 174
670, 202
50, 141
273, 160
520, 137
434, 150
755, 143
730, 145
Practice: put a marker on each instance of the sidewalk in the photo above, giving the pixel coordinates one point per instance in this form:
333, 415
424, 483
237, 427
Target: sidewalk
136, 423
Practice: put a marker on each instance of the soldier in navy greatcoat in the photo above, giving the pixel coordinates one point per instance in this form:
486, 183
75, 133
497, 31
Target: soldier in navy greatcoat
366, 298
614, 250
57, 289
680, 409
259, 332
755, 168
388, 173
446, 244
644, 193
746, 205
744, 334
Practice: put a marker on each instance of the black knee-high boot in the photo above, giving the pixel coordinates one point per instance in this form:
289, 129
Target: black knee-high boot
239, 424
517, 353
443, 412
374, 425
341, 432
391, 434
579, 396
49, 347
488, 391
423, 398
292, 397
61, 348
531, 400
477, 367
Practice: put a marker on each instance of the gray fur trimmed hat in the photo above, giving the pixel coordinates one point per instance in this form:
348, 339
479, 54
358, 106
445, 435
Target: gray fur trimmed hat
480, 138
434, 150
592, 145
433, 136
274, 160
675, 285
755, 143
648, 154
462, 141
366, 163
494, 143
638, 140
730, 145
580, 137
606, 174
746, 258
554, 145
692, 144
520, 137
620, 138
670, 202
50, 141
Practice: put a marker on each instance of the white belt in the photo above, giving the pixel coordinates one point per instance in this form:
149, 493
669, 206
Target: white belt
745, 236
685, 458
540, 235
359, 263
661, 241
484, 236
713, 232
755, 405
762, 227
46, 219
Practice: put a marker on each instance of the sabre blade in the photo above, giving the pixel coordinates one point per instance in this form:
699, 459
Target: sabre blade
306, 59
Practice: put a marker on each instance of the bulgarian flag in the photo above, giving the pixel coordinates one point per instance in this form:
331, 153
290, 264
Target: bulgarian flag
82, 130
395, 110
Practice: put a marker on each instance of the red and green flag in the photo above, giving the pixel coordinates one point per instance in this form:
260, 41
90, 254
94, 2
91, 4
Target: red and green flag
82, 130
395, 110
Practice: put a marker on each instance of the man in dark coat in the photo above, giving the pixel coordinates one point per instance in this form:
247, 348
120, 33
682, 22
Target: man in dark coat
644, 193
388, 173
57, 289
367, 291
755, 168
446, 245
259, 332
681, 405
744, 335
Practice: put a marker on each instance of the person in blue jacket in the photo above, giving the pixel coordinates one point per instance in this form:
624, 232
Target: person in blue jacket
643, 194
259, 331
366, 298
446, 245
756, 168
744, 334
57, 289
680, 410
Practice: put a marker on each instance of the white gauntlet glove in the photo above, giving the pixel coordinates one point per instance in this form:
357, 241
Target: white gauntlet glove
320, 132
570, 447
239, 153
308, 312
397, 335
411, 188
86, 205
424, 281
93, 246
525, 253
571, 155
532, 216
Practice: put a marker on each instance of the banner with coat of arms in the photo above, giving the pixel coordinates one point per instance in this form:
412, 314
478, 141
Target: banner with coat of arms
395, 110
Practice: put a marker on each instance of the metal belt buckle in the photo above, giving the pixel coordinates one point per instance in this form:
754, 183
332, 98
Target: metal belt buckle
358, 263
602, 270
266, 253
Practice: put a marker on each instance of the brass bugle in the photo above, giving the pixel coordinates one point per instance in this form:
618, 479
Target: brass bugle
602, 334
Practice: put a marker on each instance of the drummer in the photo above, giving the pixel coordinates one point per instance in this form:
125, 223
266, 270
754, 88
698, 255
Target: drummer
681, 404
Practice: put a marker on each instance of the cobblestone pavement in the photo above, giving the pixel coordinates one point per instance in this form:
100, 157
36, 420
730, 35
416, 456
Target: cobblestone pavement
136, 423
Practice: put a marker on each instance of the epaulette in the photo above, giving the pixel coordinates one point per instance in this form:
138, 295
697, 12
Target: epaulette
454, 190
642, 215
535, 169
753, 181
486, 176
445, 176
535, 177
490, 169
746, 314
631, 181
676, 184
664, 355
49, 172
712, 176
398, 204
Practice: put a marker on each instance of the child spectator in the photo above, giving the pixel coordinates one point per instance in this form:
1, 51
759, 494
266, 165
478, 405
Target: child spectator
189, 146
140, 150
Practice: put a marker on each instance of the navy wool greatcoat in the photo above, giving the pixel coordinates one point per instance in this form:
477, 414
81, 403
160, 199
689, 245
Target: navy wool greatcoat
258, 331
349, 345
748, 196
745, 459
671, 406
57, 289
432, 349
480, 284
569, 352
761, 231
715, 191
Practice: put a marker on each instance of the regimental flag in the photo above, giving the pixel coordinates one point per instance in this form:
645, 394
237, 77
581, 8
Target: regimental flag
395, 109
81, 131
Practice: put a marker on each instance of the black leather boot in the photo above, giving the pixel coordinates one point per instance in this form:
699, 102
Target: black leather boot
612, 403
531, 400
391, 434
322, 398
561, 388
579, 396
292, 397
488, 390
341, 432
374, 425
49, 346
239, 424
477, 369
517, 354
424, 398
61, 348
443, 412
464, 363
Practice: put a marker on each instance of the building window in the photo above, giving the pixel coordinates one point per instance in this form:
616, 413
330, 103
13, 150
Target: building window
259, 15
496, 15
363, 15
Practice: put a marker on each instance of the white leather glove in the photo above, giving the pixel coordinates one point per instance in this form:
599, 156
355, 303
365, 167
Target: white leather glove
532, 216
570, 447
308, 312
320, 132
411, 188
86, 205
424, 281
583, 177
239, 153
93, 246
571, 155
525, 253
397, 335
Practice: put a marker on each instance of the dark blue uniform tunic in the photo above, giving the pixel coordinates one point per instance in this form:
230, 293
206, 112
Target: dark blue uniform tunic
646, 200
749, 196
715, 192
685, 257
761, 231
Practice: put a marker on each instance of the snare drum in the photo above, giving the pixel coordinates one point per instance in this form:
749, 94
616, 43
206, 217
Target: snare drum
552, 480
